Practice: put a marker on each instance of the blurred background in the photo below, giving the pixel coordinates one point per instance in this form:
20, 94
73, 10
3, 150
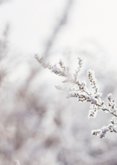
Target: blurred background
38, 124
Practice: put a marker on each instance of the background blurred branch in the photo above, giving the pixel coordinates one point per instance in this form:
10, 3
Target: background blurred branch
56, 30
3, 1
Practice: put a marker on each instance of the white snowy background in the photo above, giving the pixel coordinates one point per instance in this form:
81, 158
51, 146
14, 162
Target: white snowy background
38, 125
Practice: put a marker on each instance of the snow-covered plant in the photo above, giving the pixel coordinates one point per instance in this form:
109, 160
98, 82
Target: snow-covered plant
81, 90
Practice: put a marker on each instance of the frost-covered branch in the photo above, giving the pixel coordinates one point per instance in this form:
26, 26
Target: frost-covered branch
84, 93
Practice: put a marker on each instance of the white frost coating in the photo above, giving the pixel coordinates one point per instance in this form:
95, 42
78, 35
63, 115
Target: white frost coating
85, 93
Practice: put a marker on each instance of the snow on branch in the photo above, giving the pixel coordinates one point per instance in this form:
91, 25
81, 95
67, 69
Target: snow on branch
80, 90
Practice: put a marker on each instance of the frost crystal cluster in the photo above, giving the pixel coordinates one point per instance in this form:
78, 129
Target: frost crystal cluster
84, 93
